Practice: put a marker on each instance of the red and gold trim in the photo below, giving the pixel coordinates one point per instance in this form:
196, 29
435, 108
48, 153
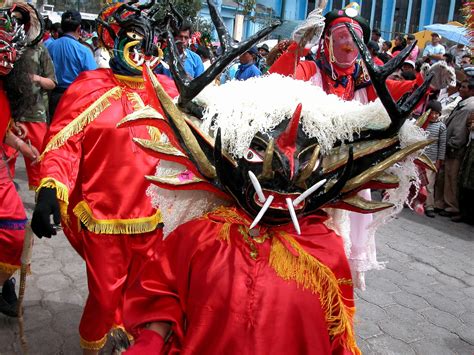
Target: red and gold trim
116, 226
62, 194
93, 345
85, 118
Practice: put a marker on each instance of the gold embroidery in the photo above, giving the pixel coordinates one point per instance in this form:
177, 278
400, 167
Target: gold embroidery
81, 121
116, 226
311, 274
139, 105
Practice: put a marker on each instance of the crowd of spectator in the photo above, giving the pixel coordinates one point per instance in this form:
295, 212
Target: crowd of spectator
67, 50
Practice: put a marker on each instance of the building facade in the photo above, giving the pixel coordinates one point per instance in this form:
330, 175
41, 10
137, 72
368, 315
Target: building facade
390, 16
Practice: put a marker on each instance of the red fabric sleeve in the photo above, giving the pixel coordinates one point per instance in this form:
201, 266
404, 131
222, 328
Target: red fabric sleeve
289, 64
62, 163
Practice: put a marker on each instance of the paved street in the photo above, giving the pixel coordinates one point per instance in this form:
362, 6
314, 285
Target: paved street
422, 303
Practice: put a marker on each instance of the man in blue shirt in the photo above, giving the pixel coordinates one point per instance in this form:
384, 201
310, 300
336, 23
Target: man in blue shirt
247, 68
434, 51
69, 56
191, 61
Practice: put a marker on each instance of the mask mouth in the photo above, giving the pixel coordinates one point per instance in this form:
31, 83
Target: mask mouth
135, 58
279, 200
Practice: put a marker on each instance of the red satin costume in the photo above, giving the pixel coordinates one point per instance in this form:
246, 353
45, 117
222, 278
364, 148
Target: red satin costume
98, 172
225, 292
12, 212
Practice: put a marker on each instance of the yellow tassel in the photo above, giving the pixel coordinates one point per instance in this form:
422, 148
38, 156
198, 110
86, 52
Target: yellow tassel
8, 268
93, 345
81, 121
309, 273
116, 226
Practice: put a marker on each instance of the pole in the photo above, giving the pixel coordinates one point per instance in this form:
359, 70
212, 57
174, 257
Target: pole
282, 12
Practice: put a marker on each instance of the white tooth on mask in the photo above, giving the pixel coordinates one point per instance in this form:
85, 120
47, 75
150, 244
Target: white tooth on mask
136, 56
141, 61
264, 209
289, 203
257, 187
153, 63
308, 192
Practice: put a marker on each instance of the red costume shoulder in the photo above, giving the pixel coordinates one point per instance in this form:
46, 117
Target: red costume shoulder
4, 113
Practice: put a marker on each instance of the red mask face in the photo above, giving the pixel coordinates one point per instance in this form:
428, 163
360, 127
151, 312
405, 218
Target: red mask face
340, 43
12, 39
7, 53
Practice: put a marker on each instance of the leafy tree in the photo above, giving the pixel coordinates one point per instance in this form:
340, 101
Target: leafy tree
246, 7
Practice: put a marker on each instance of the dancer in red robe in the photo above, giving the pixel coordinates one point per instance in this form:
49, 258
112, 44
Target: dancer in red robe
92, 172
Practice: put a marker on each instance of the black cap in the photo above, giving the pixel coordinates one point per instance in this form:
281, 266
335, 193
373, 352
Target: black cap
434, 105
71, 15
335, 14
411, 37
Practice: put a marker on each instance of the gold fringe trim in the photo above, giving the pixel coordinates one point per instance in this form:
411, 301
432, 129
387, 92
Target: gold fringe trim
116, 226
81, 121
309, 273
131, 83
93, 345
138, 104
8, 268
62, 194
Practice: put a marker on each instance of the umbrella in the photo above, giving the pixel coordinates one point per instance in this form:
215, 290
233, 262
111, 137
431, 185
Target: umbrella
453, 33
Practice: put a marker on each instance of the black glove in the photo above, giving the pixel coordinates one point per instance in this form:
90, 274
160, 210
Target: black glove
46, 204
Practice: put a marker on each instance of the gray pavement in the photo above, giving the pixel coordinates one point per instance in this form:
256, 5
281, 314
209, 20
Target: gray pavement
422, 303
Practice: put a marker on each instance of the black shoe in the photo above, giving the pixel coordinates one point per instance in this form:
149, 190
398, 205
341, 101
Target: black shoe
8, 299
438, 210
8, 291
430, 213
457, 219
445, 213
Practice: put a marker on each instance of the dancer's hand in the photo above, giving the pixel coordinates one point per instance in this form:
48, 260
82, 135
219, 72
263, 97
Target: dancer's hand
47, 204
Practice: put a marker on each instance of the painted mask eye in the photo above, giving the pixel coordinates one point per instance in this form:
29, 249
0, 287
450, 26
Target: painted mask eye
253, 156
135, 36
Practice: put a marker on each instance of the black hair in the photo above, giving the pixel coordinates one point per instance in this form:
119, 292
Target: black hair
466, 56
70, 21
434, 105
470, 83
17, 85
373, 45
377, 32
388, 44
185, 26
449, 58
47, 23
408, 75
